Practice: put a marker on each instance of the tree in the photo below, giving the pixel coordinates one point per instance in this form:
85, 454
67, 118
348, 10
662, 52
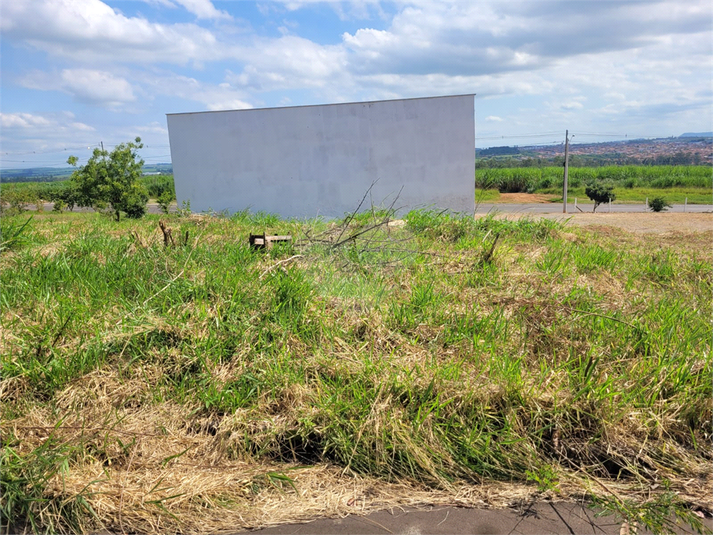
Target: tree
600, 192
112, 178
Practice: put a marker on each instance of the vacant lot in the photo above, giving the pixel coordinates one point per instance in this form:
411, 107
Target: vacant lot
204, 386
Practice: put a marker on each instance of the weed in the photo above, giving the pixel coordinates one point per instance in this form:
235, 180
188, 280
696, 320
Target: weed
432, 355
13, 234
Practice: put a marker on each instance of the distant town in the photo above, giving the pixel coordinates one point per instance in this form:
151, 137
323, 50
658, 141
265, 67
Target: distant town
687, 149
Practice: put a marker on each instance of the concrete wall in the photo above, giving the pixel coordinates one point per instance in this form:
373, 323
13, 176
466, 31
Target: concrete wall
312, 161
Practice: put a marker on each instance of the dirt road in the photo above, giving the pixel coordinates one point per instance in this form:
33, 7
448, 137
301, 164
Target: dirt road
644, 223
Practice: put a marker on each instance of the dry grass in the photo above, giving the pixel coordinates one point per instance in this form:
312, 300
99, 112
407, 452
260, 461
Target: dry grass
209, 388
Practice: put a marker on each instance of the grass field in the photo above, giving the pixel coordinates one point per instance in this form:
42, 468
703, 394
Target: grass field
631, 183
207, 386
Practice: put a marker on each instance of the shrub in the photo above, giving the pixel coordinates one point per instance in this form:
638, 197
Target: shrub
157, 185
59, 206
15, 200
165, 199
659, 204
600, 192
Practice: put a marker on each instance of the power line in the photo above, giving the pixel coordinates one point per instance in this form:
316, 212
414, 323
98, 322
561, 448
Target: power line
29, 161
78, 148
546, 134
83, 147
601, 134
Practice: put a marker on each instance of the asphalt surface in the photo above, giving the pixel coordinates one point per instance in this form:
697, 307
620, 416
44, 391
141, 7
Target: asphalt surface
539, 518
556, 208
532, 208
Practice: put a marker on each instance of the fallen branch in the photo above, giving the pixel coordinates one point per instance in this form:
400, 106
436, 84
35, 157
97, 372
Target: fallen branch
385, 221
585, 313
280, 263
351, 216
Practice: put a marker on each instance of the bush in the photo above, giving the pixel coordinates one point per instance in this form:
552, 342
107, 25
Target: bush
165, 199
134, 202
157, 185
15, 200
544, 183
59, 206
659, 204
600, 192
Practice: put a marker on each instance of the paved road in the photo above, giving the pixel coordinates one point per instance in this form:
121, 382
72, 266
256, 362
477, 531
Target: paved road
531, 208
552, 208
540, 518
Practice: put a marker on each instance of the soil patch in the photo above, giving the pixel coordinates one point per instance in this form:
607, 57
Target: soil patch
523, 198
640, 223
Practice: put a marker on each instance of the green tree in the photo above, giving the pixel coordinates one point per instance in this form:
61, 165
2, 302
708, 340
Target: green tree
112, 178
600, 192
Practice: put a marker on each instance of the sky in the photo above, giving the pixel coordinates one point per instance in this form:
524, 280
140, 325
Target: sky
77, 73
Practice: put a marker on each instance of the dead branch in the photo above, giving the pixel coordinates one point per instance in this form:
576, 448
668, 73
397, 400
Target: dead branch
488, 255
385, 221
351, 216
167, 236
279, 264
137, 239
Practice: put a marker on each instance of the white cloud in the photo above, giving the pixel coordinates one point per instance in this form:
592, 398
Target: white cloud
97, 86
571, 105
574, 63
153, 128
289, 62
203, 9
22, 120
213, 97
30, 124
39, 132
85, 85
91, 31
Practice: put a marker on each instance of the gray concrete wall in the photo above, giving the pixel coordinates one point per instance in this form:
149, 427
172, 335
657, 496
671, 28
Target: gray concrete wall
312, 161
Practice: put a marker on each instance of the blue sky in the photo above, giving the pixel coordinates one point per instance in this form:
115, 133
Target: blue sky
78, 72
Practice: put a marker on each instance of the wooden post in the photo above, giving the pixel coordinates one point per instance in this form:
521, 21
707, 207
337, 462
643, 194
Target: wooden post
610, 205
646, 206
685, 204
566, 171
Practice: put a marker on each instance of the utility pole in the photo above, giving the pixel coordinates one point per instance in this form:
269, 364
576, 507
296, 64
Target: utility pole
566, 171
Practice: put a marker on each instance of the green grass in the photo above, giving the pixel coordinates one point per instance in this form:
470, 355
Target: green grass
632, 183
20, 194
451, 351
639, 195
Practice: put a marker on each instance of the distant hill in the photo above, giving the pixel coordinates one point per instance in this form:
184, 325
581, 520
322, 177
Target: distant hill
36, 174
498, 151
697, 134
688, 149
53, 174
